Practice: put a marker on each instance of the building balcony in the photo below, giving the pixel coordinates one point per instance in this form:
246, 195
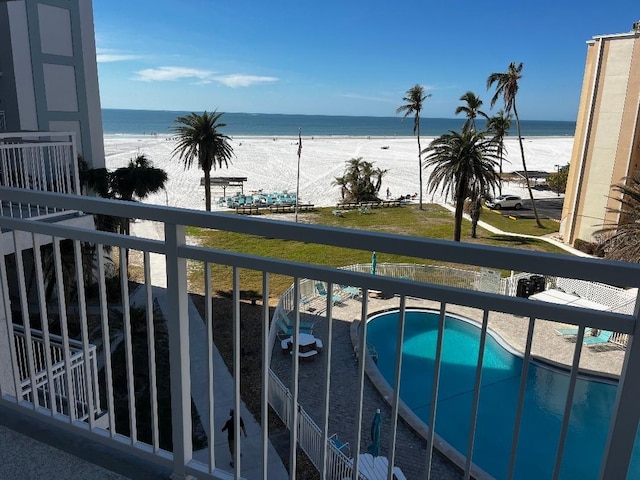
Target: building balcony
121, 351
59, 385
43, 162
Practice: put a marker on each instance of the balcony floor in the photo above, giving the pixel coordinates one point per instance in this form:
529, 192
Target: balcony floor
33, 450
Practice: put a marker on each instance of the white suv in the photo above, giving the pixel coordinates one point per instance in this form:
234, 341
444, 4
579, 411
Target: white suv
505, 201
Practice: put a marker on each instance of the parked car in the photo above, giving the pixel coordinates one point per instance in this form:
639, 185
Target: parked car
505, 201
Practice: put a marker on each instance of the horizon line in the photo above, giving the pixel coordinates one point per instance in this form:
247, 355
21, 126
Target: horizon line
462, 119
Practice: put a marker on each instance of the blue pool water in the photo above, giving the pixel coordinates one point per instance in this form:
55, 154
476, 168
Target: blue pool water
543, 408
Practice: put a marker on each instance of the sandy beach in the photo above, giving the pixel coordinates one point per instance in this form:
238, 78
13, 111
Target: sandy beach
270, 165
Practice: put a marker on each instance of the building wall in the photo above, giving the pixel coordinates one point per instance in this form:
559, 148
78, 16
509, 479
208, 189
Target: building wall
583, 122
606, 130
52, 72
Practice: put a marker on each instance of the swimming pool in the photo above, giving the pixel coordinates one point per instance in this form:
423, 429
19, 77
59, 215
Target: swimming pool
543, 406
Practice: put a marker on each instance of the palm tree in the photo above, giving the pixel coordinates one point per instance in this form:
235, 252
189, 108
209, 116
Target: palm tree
414, 100
623, 241
499, 126
361, 181
463, 163
136, 181
471, 109
507, 88
199, 137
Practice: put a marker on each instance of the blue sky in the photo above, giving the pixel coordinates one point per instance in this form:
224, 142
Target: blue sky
343, 57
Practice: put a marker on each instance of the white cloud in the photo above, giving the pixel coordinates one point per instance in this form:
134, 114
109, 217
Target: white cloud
163, 74
106, 55
200, 77
115, 57
238, 80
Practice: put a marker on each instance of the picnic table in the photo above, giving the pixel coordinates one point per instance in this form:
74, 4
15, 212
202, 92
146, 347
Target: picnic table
248, 209
376, 468
309, 346
370, 204
287, 208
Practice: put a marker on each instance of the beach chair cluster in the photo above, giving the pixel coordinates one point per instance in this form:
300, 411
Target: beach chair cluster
273, 202
601, 338
259, 200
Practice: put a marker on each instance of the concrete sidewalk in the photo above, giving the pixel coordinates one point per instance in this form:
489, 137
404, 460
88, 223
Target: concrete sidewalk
497, 231
251, 463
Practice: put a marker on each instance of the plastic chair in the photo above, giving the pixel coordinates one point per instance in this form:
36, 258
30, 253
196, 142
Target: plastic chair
322, 291
342, 447
352, 292
285, 331
303, 325
604, 337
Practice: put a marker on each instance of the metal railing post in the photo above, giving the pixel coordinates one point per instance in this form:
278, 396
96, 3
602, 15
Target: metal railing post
178, 328
74, 165
626, 414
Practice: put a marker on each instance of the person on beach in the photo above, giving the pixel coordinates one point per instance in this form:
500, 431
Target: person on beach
388, 192
230, 428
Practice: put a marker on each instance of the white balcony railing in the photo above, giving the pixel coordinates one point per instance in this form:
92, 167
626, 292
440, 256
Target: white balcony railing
311, 437
43, 161
49, 375
182, 258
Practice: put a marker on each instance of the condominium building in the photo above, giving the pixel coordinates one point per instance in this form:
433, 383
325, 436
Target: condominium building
48, 72
606, 148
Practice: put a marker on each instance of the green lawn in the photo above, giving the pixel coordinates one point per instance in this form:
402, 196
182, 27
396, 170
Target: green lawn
525, 226
432, 222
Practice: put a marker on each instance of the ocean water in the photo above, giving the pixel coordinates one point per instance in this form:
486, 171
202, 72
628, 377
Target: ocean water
140, 122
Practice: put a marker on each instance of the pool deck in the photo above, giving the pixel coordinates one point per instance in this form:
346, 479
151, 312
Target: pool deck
411, 453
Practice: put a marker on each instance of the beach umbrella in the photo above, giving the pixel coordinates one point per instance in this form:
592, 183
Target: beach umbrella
374, 448
374, 262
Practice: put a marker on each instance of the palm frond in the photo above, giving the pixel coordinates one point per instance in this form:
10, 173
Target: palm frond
623, 238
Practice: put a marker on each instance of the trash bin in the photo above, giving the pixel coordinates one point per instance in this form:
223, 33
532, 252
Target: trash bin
538, 283
524, 288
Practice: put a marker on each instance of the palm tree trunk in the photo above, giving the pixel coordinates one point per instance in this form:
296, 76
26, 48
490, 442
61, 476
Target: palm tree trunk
207, 189
460, 197
476, 207
457, 228
419, 161
500, 181
524, 167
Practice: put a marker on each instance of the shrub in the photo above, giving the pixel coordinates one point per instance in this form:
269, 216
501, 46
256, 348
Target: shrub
584, 246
